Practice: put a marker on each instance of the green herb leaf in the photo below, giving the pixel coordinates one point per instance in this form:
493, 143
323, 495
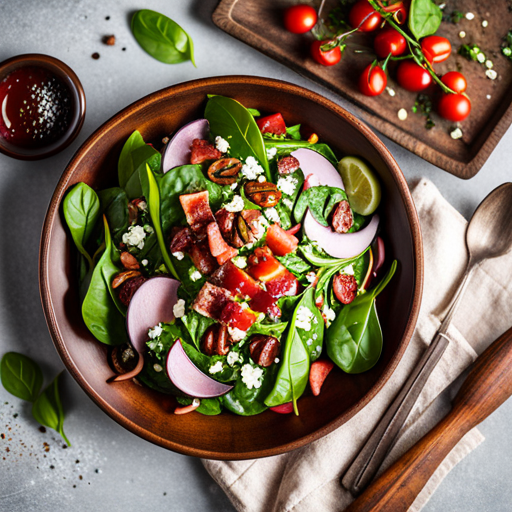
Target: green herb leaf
293, 132
196, 325
295, 264
252, 111
125, 165
424, 18
47, 409
320, 200
271, 329
162, 37
21, 376
285, 207
114, 205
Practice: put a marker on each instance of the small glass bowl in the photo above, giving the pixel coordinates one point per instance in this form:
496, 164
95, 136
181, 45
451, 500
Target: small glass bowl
69, 78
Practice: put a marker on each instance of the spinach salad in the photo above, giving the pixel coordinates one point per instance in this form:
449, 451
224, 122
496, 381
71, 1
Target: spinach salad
235, 268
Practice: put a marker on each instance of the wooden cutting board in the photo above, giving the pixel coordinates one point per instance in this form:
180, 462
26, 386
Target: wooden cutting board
259, 24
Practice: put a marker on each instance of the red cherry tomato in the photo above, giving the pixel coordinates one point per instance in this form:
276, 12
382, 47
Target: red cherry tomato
455, 81
328, 58
373, 81
363, 17
412, 77
300, 19
389, 41
436, 47
454, 107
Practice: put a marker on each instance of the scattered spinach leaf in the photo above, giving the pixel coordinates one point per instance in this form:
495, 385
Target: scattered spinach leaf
271, 329
424, 18
252, 111
293, 132
21, 376
285, 206
196, 325
320, 200
295, 264
114, 205
204, 362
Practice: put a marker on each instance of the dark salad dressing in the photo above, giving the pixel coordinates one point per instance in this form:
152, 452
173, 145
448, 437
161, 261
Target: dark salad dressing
36, 107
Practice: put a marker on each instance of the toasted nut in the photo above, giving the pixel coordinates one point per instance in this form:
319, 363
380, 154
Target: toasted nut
263, 194
216, 340
124, 358
264, 349
124, 276
313, 138
129, 261
109, 40
224, 171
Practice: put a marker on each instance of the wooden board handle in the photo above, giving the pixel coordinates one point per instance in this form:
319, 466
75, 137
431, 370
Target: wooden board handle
488, 385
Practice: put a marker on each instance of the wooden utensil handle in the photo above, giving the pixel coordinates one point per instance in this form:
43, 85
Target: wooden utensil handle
487, 386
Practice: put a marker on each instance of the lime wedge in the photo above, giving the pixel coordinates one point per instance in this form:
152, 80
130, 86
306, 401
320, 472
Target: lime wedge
361, 185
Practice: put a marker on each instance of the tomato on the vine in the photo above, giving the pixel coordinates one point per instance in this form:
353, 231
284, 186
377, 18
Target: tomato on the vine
387, 41
454, 107
455, 81
436, 48
328, 58
413, 77
300, 18
364, 17
373, 81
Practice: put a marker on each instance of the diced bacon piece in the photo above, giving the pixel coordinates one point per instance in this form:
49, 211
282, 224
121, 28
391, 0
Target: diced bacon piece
217, 244
202, 150
227, 255
272, 124
182, 240
263, 302
197, 210
201, 257
235, 280
279, 241
284, 284
235, 316
225, 221
318, 373
211, 301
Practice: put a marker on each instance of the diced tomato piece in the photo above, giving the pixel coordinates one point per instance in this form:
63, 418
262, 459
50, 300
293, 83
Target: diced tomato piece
279, 241
294, 229
272, 124
286, 408
235, 316
263, 266
284, 284
217, 244
202, 150
318, 373
226, 256
235, 280
263, 302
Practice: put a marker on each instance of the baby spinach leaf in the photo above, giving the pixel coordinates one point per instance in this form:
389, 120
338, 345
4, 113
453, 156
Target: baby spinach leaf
271, 329
424, 18
21, 376
125, 167
101, 309
81, 208
204, 363
314, 337
285, 206
252, 111
320, 200
48, 411
196, 325
114, 205
354, 340
157, 380
162, 37
233, 122
208, 407
293, 132
295, 264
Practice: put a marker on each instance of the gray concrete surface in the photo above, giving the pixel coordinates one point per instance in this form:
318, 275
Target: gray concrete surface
108, 468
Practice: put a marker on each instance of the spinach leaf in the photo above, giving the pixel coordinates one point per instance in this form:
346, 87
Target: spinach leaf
161, 345
184, 268
286, 146
314, 337
424, 18
320, 200
359, 222
151, 252
21, 376
196, 325
101, 309
295, 264
285, 206
293, 132
233, 122
48, 411
272, 329
162, 37
317, 256
81, 208
204, 362
252, 111
208, 407
354, 340
125, 166
114, 205
157, 380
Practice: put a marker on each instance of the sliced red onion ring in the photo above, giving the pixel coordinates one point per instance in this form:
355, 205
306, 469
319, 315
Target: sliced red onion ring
340, 245
185, 375
381, 256
312, 162
177, 151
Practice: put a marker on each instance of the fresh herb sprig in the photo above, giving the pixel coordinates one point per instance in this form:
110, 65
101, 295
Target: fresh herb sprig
423, 105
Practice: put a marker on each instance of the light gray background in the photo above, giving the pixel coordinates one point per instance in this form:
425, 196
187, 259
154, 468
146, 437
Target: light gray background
119, 470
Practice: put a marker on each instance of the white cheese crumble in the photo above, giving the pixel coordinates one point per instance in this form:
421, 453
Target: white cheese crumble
402, 114
329, 314
287, 184
233, 357
216, 368
236, 333
221, 144
272, 215
251, 376
309, 342
155, 331
259, 227
148, 229
318, 349
491, 74
142, 206
311, 276
271, 153
179, 309
349, 269
276, 360
134, 237
195, 275
288, 203
178, 255
240, 261
261, 179
470, 16
456, 134
303, 318
315, 336
233, 186
157, 368
252, 169
196, 402
236, 204
145, 263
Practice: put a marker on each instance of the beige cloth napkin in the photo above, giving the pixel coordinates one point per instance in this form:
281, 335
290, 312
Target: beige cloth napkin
308, 478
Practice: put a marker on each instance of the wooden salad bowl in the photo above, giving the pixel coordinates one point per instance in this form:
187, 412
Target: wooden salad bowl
148, 413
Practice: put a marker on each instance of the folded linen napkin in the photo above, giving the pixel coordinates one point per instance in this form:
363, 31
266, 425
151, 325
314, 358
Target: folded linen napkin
308, 478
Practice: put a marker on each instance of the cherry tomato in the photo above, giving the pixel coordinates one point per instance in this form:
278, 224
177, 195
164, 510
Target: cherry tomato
436, 48
455, 81
373, 81
389, 41
413, 77
300, 19
454, 107
361, 17
328, 58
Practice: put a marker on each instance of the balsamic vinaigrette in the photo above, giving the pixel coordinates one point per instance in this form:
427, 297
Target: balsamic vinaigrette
36, 107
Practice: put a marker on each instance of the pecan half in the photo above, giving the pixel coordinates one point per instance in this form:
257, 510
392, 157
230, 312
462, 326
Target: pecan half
216, 340
124, 276
263, 194
264, 349
224, 171
129, 261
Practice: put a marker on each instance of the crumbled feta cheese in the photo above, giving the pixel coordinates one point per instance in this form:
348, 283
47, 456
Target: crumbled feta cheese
221, 144
456, 134
462, 34
309, 342
311, 276
157, 367
240, 261
402, 114
233, 186
330, 315
349, 269
259, 227
491, 74
155, 331
303, 318
236, 334
318, 349
287, 184
315, 336
391, 92
489, 64
134, 237
485, 23
276, 360
178, 255
251, 376
179, 308
315, 321
261, 179
145, 263
236, 204
142, 206
196, 402
313, 353
216, 368
233, 357
272, 215
251, 169
271, 153
148, 229
288, 203
195, 275
470, 16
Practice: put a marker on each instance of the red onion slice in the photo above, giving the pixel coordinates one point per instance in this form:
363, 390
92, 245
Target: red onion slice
312, 162
187, 377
